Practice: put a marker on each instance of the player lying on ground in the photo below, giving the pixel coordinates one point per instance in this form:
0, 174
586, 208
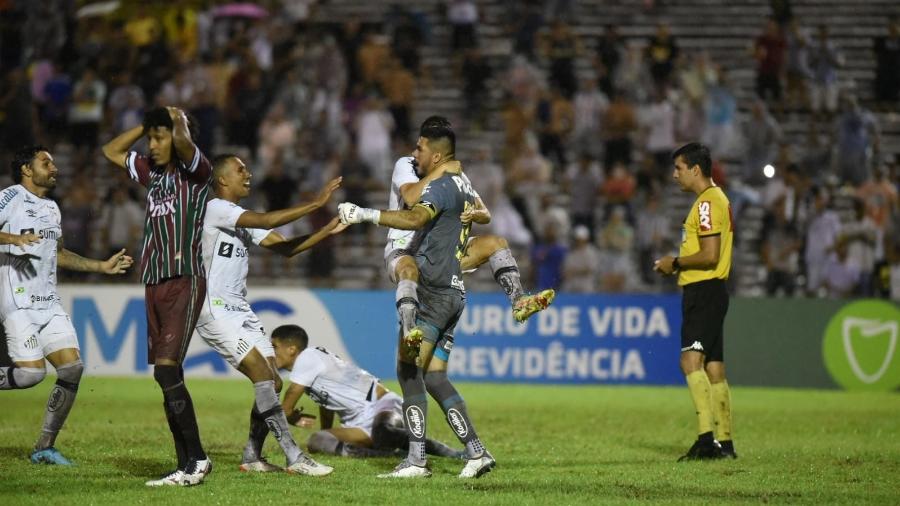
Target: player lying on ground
226, 321
407, 184
371, 415
425, 351
36, 326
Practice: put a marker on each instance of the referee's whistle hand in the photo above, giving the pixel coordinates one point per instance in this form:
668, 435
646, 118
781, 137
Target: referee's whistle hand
664, 265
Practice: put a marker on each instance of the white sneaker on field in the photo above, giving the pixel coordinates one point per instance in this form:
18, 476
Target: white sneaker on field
406, 469
260, 466
478, 467
172, 479
309, 467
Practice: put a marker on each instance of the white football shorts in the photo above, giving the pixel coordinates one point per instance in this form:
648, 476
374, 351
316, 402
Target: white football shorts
32, 334
235, 336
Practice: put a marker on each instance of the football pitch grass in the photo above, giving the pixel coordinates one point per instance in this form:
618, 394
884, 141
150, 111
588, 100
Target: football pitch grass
555, 445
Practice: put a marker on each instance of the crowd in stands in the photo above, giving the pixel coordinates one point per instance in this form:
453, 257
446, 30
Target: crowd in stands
581, 180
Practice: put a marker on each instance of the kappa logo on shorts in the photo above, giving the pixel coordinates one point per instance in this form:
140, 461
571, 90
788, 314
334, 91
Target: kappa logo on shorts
31, 343
57, 396
415, 421
705, 212
695, 346
457, 422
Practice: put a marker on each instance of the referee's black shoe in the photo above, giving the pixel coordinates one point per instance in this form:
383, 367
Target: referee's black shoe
728, 449
703, 449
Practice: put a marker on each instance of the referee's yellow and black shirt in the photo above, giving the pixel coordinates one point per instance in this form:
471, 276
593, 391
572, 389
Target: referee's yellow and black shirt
710, 215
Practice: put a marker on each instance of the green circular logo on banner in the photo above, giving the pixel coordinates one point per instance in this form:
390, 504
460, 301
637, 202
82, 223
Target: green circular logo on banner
860, 346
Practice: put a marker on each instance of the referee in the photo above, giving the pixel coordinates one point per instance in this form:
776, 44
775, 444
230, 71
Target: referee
702, 265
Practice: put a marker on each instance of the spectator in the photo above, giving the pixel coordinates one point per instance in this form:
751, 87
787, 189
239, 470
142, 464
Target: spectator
527, 175
780, 250
797, 70
815, 157
547, 257
86, 113
582, 264
823, 61
372, 56
608, 55
887, 271
582, 184
247, 104
887, 64
350, 40
590, 104
556, 120
721, 133
821, 236
880, 198
486, 176
373, 137
761, 136
463, 18
399, 84
768, 49
618, 189
864, 242
77, 213
619, 124
121, 221
126, 104
616, 240
653, 235
632, 78
857, 136
58, 92
561, 47
17, 129
658, 123
277, 134
525, 26
476, 72
408, 40
662, 52
841, 277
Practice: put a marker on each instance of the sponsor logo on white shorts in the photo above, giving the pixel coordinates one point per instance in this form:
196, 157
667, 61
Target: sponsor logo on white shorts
457, 422
415, 421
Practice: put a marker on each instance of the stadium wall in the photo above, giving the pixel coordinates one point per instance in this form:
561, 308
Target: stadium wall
581, 339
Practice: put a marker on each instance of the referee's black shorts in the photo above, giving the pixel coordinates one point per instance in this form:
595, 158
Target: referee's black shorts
704, 305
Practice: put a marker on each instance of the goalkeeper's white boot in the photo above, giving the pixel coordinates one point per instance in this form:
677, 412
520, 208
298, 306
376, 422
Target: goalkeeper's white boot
196, 471
478, 467
309, 467
260, 466
406, 469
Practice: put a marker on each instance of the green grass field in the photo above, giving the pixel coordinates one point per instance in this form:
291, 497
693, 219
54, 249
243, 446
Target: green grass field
554, 445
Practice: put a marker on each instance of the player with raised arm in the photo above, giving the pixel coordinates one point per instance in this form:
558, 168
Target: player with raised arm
228, 324
424, 352
407, 185
371, 415
36, 326
176, 175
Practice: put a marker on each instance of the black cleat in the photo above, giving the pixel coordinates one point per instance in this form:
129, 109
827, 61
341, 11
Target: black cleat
728, 449
703, 450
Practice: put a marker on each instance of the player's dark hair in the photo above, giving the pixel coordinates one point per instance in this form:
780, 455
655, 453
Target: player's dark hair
219, 162
435, 121
695, 153
23, 156
291, 334
437, 133
158, 117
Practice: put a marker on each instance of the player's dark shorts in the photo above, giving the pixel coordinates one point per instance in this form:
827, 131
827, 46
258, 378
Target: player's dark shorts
703, 308
439, 311
173, 306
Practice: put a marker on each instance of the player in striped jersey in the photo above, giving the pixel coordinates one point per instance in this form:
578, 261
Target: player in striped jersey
177, 177
36, 326
228, 324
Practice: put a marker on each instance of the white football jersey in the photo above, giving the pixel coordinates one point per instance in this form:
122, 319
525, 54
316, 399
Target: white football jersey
226, 259
405, 173
28, 276
333, 383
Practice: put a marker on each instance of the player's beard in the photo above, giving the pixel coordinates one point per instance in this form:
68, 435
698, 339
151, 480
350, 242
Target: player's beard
416, 169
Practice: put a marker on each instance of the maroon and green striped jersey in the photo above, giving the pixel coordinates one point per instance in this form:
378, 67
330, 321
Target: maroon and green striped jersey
173, 225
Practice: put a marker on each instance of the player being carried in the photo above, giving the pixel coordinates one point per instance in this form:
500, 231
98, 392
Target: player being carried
36, 326
226, 321
371, 415
425, 350
407, 185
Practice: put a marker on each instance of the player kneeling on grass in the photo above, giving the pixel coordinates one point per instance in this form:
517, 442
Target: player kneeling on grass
36, 326
371, 415
226, 321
